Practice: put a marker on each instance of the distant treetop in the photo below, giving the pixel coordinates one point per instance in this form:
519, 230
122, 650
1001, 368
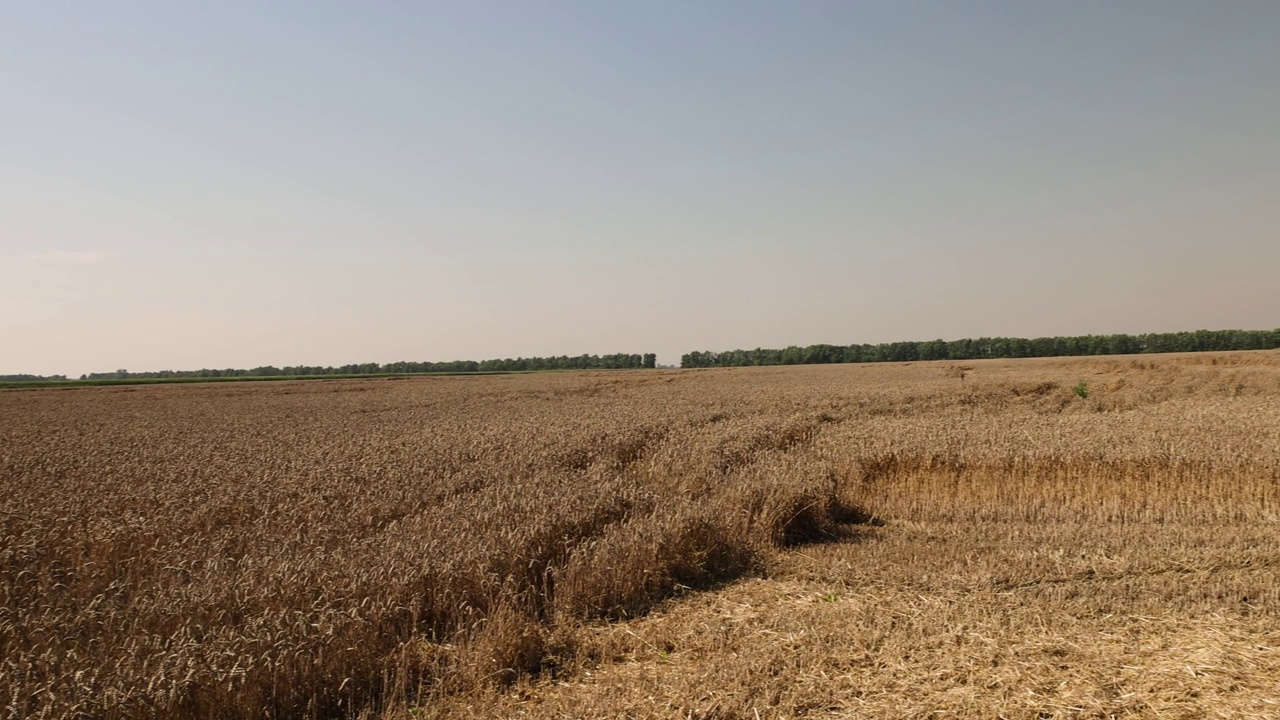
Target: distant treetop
619, 361
998, 347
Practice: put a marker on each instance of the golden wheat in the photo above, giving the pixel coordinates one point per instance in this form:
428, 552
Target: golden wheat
452, 545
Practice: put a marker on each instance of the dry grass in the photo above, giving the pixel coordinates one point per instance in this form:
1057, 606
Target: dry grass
527, 546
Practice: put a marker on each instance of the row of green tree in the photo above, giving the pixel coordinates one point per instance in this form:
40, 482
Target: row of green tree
998, 347
619, 361
31, 378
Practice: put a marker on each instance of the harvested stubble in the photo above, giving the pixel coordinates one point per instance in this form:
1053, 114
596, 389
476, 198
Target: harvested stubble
481, 546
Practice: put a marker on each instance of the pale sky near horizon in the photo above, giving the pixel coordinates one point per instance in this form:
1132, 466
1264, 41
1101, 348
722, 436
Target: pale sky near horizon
232, 184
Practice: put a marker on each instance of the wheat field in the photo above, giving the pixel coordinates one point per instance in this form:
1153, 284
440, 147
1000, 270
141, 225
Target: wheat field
1024, 539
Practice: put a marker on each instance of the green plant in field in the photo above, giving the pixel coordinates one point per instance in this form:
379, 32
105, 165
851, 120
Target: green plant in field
1081, 390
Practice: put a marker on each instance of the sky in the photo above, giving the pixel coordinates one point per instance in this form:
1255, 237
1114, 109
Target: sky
233, 184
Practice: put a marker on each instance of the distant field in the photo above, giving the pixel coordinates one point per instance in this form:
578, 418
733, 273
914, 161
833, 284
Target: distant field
102, 382
1018, 538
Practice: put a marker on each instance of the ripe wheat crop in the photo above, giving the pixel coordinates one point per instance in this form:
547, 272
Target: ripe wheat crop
464, 545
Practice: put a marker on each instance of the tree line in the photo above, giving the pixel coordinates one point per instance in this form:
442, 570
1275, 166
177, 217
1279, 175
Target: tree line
618, 361
966, 349
987, 348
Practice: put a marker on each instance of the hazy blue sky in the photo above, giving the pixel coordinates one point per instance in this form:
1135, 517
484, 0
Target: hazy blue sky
188, 185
